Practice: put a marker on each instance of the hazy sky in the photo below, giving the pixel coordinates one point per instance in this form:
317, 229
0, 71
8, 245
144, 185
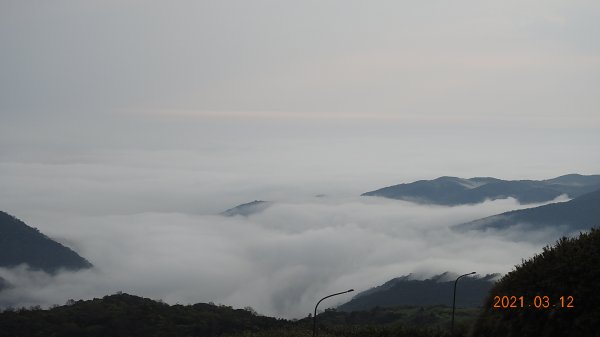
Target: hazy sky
132, 111
280, 97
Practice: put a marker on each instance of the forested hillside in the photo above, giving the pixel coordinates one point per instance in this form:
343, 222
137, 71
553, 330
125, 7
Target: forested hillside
561, 276
133, 316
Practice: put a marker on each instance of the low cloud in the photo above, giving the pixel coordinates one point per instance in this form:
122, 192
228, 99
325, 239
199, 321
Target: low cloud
279, 261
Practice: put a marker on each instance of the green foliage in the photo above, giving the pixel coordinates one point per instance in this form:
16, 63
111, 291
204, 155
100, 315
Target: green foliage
127, 315
570, 268
354, 331
378, 322
415, 316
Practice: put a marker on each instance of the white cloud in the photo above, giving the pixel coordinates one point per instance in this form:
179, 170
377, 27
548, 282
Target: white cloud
279, 261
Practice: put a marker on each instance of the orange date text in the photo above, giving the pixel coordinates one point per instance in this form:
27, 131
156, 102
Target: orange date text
537, 302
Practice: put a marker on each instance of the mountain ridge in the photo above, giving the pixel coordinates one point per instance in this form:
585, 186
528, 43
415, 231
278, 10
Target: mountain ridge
437, 290
453, 191
580, 213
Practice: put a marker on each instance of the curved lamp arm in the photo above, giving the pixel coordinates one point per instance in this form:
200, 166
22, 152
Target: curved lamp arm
316, 306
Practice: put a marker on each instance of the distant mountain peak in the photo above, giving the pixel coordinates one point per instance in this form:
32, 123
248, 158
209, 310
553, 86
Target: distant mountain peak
248, 208
452, 191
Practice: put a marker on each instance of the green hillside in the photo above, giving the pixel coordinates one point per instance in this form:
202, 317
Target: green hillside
570, 268
133, 316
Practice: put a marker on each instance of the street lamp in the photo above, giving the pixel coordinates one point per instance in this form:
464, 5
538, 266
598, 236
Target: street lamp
315, 316
454, 299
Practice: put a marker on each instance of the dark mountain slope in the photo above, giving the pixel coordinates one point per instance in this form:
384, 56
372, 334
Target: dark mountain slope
453, 191
580, 213
127, 315
20, 244
132, 316
438, 290
570, 268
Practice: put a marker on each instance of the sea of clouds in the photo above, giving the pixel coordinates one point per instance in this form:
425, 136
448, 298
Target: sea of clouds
279, 261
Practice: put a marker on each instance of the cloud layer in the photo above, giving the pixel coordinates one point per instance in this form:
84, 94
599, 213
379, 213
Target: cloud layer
279, 261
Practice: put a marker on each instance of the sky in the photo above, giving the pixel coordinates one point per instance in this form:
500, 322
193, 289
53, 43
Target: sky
137, 117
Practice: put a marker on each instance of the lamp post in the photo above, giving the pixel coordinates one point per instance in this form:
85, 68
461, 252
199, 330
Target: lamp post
454, 298
315, 316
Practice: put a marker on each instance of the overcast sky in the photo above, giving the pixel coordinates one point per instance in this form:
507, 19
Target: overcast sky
186, 108
280, 97
323, 76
